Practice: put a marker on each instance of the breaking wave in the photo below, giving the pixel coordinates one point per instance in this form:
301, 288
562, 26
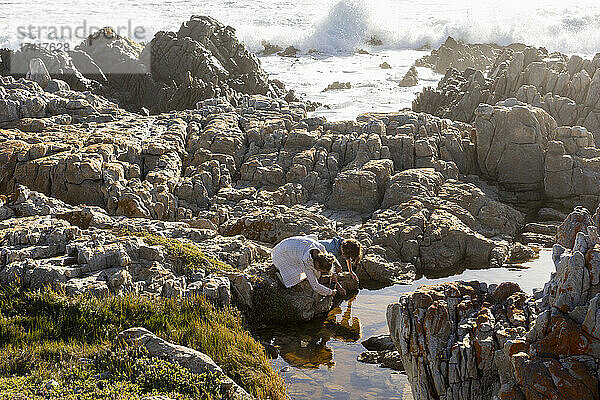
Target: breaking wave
351, 24
334, 26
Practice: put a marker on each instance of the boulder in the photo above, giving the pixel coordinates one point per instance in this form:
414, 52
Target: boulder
38, 73
274, 303
355, 190
56, 85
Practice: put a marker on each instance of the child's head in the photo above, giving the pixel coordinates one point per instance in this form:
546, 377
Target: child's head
323, 261
352, 250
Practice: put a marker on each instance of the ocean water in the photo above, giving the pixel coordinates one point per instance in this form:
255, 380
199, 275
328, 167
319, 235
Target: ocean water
334, 28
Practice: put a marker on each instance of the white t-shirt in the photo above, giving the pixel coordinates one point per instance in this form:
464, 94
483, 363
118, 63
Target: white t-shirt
292, 258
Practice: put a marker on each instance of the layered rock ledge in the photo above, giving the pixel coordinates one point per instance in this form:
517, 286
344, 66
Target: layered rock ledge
468, 340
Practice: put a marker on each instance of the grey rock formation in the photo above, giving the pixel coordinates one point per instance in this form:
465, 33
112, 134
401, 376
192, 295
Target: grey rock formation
521, 148
204, 59
20, 99
461, 56
58, 64
38, 72
468, 340
411, 78
565, 87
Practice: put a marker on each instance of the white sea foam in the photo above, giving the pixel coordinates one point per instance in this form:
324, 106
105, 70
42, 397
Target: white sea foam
337, 28
348, 24
340, 25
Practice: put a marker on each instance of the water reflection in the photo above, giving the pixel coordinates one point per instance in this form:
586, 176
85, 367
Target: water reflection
305, 345
348, 327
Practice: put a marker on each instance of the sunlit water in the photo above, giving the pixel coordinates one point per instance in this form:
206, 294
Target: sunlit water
335, 28
318, 360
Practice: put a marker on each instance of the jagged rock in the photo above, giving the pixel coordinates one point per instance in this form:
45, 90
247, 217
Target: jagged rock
48, 250
355, 190
520, 253
456, 54
289, 51
236, 168
56, 85
275, 224
246, 169
57, 65
437, 226
215, 288
411, 78
270, 49
338, 86
212, 63
26, 99
565, 87
412, 183
495, 342
458, 322
38, 72
375, 268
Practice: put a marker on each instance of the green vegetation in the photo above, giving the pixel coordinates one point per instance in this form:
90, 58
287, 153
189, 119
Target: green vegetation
134, 365
186, 257
44, 335
126, 373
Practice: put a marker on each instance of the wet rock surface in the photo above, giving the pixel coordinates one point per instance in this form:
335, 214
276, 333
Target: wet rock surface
473, 341
381, 350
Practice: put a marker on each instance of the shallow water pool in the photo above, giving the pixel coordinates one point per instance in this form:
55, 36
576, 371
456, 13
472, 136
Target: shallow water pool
318, 359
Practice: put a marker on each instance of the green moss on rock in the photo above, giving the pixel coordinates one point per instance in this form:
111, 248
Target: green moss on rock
186, 257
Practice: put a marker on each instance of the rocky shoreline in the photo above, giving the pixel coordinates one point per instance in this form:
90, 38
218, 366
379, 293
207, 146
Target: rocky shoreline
174, 171
474, 341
